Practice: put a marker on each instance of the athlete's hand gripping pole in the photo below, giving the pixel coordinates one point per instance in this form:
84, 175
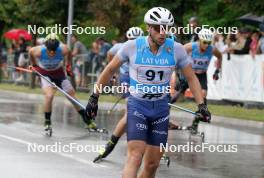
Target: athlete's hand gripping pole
203, 114
92, 105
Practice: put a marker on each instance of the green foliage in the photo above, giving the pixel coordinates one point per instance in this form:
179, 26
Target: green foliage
118, 15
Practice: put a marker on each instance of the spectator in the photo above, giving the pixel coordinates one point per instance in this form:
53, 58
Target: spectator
261, 40
242, 45
254, 44
193, 23
114, 42
81, 63
103, 48
15, 51
78, 47
93, 59
19, 50
219, 43
3, 62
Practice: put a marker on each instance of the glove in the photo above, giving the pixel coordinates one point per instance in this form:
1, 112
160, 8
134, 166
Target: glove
216, 74
203, 113
34, 67
92, 106
113, 80
69, 70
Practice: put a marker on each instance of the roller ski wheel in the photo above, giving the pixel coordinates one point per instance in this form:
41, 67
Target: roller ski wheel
166, 159
92, 127
98, 130
202, 136
48, 130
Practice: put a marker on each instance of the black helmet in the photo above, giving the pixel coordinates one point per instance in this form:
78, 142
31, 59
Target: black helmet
52, 42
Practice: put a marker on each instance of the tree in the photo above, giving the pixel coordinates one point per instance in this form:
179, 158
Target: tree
116, 13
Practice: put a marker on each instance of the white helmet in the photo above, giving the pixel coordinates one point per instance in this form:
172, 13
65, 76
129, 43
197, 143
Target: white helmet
159, 16
41, 41
52, 36
205, 34
134, 32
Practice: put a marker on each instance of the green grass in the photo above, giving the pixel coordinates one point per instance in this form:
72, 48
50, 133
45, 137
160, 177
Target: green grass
80, 95
229, 111
219, 110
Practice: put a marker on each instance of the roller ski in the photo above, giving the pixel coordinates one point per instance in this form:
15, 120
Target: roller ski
48, 130
194, 128
91, 125
47, 127
166, 159
109, 147
92, 128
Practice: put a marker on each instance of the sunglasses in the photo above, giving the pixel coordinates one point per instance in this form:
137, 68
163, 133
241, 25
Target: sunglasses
51, 52
159, 28
206, 42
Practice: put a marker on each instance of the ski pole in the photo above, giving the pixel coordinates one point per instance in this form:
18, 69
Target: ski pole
75, 101
181, 108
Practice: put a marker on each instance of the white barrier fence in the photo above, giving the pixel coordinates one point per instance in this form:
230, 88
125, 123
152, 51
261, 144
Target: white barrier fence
242, 79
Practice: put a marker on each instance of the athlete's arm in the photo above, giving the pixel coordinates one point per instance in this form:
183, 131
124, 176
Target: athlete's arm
112, 52
67, 55
108, 72
34, 53
218, 55
173, 83
68, 60
188, 47
109, 56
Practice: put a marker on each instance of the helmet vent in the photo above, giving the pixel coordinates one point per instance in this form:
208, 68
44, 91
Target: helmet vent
157, 14
153, 18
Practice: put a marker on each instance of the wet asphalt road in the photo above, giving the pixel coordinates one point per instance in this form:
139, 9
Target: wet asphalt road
21, 120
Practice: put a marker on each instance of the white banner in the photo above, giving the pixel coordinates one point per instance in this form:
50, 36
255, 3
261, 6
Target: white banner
242, 79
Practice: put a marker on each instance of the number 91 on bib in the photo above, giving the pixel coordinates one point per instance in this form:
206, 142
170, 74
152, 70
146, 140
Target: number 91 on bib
154, 75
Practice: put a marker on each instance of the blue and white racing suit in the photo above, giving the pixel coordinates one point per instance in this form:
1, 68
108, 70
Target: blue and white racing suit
147, 108
52, 67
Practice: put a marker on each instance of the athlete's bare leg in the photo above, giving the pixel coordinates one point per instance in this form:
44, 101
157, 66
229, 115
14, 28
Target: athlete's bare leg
49, 95
152, 158
121, 126
135, 154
